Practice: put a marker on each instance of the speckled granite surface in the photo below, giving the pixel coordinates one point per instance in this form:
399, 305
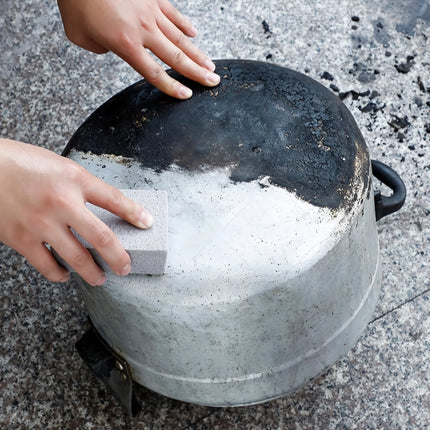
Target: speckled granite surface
376, 56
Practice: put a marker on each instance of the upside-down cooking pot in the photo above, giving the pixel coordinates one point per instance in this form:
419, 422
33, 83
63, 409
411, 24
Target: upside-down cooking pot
273, 267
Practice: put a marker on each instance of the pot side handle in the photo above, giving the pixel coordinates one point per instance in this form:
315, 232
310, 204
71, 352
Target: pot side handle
385, 205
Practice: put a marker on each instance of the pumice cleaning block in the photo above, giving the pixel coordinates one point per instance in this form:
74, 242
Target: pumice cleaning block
147, 248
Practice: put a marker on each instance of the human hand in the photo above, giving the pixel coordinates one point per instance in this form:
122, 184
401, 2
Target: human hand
130, 27
43, 195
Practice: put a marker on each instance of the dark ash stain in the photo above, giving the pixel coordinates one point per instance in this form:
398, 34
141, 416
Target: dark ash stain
266, 27
326, 75
265, 120
399, 123
405, 67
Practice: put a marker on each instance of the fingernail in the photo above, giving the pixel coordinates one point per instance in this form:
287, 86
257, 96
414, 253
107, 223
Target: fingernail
185, 92
213, 78
100, 281
126, 270
193, 31
65, 278
209, 65
146, 220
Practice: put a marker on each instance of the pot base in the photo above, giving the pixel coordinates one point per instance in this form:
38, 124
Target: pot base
256, 388
271, 383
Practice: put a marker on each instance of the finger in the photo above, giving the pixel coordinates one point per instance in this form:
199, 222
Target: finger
74, 253
103, 239
178, 38
179, 61
110, 198
176, 17
43, 261
143, 63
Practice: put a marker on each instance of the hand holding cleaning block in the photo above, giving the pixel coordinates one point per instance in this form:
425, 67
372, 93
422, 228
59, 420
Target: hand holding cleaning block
147, 248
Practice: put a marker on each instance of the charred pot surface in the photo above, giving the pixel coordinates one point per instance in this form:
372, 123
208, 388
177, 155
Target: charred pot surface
262, 121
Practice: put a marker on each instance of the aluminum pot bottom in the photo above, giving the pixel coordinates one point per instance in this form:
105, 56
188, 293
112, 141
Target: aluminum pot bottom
272, 383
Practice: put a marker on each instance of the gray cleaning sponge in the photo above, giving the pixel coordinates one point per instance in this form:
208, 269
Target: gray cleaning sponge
147, 248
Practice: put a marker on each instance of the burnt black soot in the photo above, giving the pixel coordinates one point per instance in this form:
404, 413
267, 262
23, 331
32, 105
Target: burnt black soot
262, 120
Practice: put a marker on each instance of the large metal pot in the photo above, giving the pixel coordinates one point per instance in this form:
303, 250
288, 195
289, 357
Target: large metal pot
273, 269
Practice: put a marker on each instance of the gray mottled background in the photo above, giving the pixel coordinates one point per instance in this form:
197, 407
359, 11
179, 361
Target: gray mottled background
379, 64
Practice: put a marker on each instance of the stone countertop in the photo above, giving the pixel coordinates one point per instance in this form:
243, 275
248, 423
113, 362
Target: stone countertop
376, 57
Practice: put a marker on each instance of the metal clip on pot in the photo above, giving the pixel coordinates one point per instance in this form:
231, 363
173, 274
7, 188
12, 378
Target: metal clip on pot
385, 205
112, 369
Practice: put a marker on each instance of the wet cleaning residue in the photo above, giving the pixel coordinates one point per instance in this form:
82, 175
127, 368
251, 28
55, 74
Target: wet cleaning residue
411, 12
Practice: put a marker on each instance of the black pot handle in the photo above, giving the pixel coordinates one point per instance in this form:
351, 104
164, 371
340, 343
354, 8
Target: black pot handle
386, 205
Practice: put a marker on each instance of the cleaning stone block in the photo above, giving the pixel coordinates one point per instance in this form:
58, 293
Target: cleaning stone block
147, 248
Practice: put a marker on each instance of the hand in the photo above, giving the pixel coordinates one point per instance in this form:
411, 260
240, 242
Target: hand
128, 27
42, 195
